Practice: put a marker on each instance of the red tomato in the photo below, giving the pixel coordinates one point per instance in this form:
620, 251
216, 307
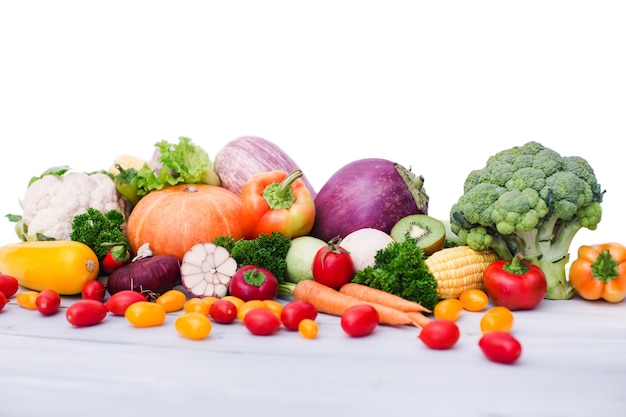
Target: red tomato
119, 302
440, 334
86, 313
261, 321
295, 311
501, 347
8, 285
93, 290
223, 311
333, 265
3, 300
359, 320
48, 302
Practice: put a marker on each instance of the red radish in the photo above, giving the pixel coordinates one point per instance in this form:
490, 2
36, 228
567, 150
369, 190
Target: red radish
253, 283
206, 270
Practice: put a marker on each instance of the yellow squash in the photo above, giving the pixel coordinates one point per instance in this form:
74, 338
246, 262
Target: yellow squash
62, 265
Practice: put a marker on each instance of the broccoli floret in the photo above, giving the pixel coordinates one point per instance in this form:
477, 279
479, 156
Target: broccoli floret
536, 211
100, 231
399, 268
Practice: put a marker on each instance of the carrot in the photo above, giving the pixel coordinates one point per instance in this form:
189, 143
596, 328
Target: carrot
418, 318
330, 301
382, 297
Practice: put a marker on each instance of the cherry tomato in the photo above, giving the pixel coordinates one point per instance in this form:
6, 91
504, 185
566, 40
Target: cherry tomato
274, 306
145, 314
120, 301
193, 325
359, 320
27, 299
195, 304
440, 334
501, 347
48, 302
497, 318
308, 328
243, 309
3, 300
223, 311
333, 265
86, 313
474, 300
8, 285
449, 309
261, 322
295, 311
238, 302
93, 290
172, 300
209, 300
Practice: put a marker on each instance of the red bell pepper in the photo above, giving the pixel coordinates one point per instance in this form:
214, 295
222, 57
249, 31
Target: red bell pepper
515, 284
276, 201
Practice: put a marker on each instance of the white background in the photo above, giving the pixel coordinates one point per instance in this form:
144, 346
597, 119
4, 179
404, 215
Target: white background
435, 86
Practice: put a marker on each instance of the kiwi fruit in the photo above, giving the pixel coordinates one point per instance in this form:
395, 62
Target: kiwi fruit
427, 232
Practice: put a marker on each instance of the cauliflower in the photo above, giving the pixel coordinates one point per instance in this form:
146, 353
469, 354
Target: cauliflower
530, 200
52, 200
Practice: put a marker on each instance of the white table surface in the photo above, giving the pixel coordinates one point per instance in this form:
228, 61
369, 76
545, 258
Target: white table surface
573, 364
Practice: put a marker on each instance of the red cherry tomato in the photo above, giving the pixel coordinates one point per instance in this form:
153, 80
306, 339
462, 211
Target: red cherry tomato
48, 302
261, 321
440, 334
359, 320
119, 302
93, 290
501, 347
294, 312
3, 300
223, 311
86, 313
8, 285
333, 265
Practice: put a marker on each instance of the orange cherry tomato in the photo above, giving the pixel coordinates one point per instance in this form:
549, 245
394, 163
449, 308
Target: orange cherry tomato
243, 309
449, 309
27, 299
474, 299
238, 302
274, 306
209, 300
196, 305
145, 314
172, 300
498, 318
308, 328
193, 325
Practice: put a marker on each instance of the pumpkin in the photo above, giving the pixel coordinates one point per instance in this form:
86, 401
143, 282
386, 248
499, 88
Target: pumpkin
173, 219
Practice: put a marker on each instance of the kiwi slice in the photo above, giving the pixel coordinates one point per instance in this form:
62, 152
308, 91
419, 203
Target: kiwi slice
428, 232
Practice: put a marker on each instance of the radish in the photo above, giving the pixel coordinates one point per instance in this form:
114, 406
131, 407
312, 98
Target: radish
364, 244
206, 270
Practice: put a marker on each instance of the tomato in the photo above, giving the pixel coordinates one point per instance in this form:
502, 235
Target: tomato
296, 311
193, 325
8, 285
195, 304
145, 314
3, 300
440, 334
359, 320
308, 328
48, 302
243, 309
223, 311
261, 322
27, 299
498, 318
449, 309
172, 300
474, 300
93, 290
209, 300
86, 313
333, 265
274, 306
501, 347
238, 302
119, 302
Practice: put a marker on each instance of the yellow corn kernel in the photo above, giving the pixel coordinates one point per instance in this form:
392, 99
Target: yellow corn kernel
458, 269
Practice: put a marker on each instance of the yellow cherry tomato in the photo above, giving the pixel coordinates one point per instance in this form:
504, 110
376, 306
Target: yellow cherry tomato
274, 306
308, 328
474, 299
145, 314
449, 309
196, 305
249, 305
193, 325
172, 300
238, 302
27, 299
498, 318
209, 300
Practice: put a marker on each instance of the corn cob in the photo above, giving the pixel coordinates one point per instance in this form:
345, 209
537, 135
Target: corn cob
126, 161
459, 268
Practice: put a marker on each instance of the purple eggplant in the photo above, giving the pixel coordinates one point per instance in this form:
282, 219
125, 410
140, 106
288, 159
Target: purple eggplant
373, 192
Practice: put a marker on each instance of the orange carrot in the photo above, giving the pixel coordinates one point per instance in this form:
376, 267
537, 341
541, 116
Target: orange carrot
330, 301
385, 298
418, 318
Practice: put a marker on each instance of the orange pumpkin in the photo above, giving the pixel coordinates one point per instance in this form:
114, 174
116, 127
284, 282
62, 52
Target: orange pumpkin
175, 218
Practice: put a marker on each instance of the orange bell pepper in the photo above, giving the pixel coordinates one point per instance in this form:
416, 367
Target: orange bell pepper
276, 201
600, 272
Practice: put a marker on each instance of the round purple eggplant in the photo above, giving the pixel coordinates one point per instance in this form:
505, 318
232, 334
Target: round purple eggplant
372, 192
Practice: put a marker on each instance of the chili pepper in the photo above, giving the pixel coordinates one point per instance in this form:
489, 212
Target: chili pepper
515, 284
126, 183
600, 272
116, 257
276, 201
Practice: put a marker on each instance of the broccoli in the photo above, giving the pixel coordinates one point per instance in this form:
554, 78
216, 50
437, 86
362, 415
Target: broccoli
100, 231
532, 201
399, 268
